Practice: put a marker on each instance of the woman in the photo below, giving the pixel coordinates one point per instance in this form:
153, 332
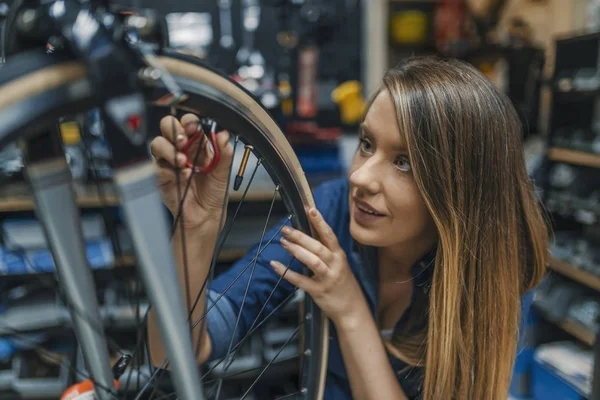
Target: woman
428, 250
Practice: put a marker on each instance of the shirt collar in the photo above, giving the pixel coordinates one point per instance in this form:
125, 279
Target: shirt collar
368, 273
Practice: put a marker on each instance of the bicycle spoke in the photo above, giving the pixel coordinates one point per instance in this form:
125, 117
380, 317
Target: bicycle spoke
239, 275
187, 188
265, 304
216, 252
260, 368
203, 316
239, 316
252, 330
223, 237
287, 396
168, 396
272, 361
49, 355
139, 337
67, 304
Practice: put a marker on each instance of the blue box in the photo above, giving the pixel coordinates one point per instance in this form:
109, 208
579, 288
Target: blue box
520, 385
548, 385
99, 253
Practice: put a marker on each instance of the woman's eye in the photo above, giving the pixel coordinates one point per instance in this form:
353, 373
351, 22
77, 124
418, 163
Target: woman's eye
365, 146
403, 164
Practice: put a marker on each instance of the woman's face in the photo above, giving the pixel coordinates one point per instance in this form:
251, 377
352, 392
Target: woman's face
386, 207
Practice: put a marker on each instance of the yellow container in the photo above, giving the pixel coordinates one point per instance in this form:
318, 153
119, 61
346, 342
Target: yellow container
409, 27
70, 132
348, 98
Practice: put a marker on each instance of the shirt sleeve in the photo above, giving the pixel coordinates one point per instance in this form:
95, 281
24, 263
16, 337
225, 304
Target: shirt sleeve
233, 283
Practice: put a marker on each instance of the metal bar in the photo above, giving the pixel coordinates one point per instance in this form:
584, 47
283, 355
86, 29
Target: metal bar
59, 215
142, 208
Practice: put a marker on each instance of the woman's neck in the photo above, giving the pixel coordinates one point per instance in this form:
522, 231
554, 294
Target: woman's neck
395, 263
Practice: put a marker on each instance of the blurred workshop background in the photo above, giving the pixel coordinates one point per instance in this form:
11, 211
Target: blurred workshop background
313, 64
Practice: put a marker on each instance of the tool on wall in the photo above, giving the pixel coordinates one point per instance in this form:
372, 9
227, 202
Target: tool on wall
250, 60
226, 40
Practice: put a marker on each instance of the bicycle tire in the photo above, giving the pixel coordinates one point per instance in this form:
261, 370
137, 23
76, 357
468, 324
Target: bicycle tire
52, 85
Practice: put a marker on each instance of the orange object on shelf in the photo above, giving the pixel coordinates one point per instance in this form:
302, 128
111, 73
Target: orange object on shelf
303, 132
82, 391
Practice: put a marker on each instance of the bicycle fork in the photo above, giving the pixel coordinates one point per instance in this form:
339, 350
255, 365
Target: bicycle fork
50, 179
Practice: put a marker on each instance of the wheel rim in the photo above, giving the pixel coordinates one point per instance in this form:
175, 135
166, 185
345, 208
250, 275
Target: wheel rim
281, 163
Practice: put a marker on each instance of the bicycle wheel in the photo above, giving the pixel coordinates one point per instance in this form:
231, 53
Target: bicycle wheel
36, 88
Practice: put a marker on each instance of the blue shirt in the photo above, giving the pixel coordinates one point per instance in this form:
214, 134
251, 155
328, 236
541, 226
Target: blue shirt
331, 199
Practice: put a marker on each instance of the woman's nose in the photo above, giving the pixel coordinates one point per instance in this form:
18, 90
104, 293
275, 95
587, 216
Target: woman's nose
367, 177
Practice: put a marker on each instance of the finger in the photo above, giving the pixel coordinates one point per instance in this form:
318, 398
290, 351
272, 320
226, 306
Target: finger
190, 124
309, 243
301, 281
172, 129
198, 153
311, 260
166, 174
323, 229
162, 149
221, 172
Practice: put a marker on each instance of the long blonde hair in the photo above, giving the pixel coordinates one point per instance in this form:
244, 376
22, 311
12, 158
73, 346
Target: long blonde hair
464, 143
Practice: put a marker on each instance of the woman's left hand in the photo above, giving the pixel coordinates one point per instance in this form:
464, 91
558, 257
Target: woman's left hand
333, 286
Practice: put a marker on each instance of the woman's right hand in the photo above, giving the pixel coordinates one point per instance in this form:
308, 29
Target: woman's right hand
204, 201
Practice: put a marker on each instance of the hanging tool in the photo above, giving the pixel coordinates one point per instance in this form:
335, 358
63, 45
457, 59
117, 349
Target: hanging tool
226, 40
249, 58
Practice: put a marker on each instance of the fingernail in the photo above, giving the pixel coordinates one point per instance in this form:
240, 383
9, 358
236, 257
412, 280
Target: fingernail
181, 159
284, 241
273, 264
180, 138
314, 212
286, 230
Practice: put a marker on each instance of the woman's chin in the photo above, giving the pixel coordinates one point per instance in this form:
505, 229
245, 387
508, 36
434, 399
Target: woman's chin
366, 237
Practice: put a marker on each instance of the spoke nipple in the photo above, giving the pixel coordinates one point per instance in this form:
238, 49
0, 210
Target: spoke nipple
290, 216
237, 138
308, 316
308, 352
304, 390
277, 188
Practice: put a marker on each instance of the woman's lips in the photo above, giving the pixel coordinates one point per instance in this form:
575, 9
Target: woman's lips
365, 214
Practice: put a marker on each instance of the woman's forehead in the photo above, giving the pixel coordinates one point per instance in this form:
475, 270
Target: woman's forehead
380, 122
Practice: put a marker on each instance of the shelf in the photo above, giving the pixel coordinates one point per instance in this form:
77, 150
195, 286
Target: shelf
577, 330
574, 157
128, 261
16, 196
576, 95
575, 273
227, 255
571, 327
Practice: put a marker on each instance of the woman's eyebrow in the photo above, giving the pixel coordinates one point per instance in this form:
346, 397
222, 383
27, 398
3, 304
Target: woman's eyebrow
366, 132
398, 147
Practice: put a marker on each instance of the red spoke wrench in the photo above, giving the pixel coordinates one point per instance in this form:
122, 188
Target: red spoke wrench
198, 137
